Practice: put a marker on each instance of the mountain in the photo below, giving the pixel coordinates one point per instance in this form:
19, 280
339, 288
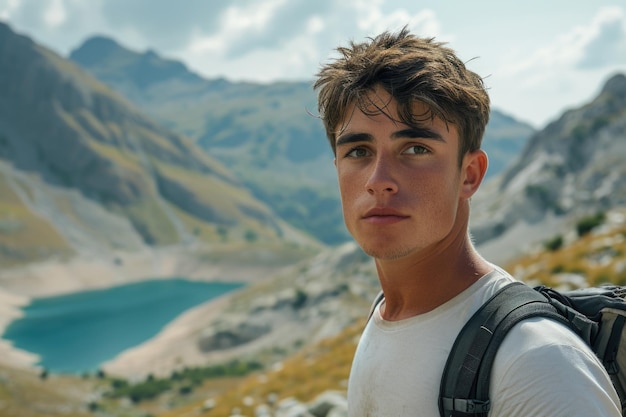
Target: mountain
505, 138
267, 134
83, 170
575, 167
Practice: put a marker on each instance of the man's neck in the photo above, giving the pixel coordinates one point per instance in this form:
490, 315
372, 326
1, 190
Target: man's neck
420, 283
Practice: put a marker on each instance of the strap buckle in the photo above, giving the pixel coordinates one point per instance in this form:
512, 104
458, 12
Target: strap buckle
467, 406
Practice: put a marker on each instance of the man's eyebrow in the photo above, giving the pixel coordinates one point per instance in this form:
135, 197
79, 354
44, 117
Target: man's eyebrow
412, 132
417, 132
353, 137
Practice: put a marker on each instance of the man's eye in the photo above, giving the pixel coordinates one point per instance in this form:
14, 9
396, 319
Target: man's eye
417, 150
357, 153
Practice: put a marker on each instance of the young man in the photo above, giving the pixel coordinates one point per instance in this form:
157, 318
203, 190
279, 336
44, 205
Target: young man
405, 119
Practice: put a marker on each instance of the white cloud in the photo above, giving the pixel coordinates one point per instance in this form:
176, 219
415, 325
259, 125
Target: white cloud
244, 21
55, 14
566, 72
606, 43
533, 71
8, 7
574, 50
424, 23
281, 42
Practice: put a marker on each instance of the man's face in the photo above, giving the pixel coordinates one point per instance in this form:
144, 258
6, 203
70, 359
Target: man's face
400, 185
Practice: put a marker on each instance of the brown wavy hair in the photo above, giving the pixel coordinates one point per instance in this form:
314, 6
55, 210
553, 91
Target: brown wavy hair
410, 69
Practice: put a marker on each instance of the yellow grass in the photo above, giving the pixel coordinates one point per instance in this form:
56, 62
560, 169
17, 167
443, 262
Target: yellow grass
24, 235
25, 394
600, 256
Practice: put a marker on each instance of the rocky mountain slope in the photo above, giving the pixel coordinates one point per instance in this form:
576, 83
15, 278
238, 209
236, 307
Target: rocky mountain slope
572, 168
266, 133
83, 170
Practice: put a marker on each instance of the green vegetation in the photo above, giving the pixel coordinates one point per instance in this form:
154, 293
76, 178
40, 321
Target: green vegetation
300, 300
250, 236
146, 390
184, 380
222, 232
587, 224
554, 244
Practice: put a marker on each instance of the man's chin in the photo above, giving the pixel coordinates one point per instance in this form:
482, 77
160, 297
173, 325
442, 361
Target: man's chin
387, 253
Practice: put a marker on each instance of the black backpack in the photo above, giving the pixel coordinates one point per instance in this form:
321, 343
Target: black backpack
596, 314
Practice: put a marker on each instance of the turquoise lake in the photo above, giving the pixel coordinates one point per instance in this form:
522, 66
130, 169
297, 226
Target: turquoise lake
76, 333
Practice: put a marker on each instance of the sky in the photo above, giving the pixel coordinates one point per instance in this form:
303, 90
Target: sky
538, 58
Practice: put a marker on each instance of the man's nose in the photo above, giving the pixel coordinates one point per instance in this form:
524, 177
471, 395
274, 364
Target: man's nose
381, 178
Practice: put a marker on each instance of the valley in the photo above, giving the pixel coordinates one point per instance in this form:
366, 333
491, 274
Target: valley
107, 178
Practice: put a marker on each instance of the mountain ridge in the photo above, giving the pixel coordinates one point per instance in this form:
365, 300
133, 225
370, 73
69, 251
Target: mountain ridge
66, 132
266, 133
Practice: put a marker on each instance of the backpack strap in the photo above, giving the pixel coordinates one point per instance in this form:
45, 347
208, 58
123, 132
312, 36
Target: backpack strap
379, 297
464, 389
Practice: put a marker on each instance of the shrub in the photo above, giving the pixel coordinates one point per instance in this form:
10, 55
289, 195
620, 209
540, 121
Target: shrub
183, 380
300, 299
554, 244
185, 389
119, 384
250, 236
149, 389
586, 224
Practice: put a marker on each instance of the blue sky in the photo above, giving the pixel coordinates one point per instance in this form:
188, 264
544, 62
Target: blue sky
538, 58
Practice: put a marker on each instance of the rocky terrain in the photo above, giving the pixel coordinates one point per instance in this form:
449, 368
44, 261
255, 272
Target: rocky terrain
572, 168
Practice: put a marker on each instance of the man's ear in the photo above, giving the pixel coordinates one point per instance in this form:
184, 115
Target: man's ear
474, 168
335, 162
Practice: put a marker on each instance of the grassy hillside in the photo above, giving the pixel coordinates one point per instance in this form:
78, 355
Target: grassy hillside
24, 236
27, 394
86, 172
593, 252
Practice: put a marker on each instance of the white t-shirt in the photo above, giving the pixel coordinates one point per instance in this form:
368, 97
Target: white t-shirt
541, 369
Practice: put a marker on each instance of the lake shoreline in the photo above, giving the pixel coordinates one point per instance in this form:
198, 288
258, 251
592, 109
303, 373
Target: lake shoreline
56, 277
10, 310
76, 333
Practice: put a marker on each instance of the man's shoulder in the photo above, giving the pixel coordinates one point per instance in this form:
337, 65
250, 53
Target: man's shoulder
554, 371
542, 333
